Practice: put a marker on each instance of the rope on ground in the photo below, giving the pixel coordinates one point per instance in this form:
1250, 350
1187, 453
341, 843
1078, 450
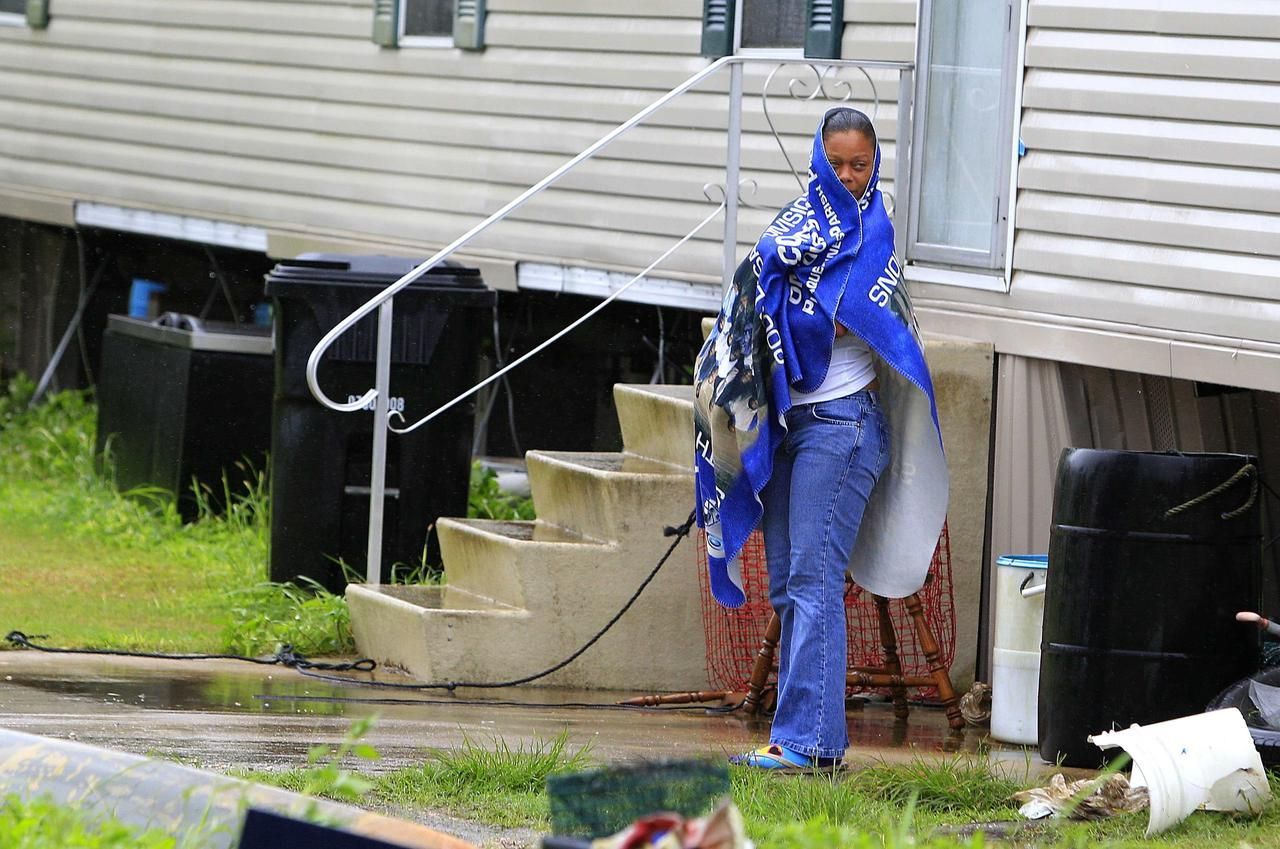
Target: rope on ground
679, 532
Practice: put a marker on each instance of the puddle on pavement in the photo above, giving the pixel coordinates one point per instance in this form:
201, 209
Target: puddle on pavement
279, 692
169, 686
255, 716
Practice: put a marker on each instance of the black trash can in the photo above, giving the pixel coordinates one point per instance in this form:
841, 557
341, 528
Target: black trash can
1150, 557
183, 401
321, 459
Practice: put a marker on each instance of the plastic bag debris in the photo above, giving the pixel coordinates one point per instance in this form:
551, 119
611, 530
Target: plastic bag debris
1267, 700
975, 705
721, 829
1204, 761
1086, 799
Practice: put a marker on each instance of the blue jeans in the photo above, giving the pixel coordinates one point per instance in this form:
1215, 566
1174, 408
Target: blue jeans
823, 474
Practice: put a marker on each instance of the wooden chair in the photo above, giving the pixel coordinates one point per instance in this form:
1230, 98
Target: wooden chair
890, 675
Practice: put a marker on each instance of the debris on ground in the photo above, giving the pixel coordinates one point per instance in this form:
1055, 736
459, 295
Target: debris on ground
1086, 799
996, 830
1204, 761
721, 829
1267, 699
975, 705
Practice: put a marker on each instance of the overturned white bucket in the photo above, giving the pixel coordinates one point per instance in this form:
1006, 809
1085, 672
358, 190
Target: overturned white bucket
1203, 761
1015, 663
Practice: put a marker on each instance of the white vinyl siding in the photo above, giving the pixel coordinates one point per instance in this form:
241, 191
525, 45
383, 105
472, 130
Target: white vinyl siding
1153, 146
286, 116
1147, 216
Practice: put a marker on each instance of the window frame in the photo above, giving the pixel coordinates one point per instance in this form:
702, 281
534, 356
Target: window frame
14, 19
433, 41
992, 260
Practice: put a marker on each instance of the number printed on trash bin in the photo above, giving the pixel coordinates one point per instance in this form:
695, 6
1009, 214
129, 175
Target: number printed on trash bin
395, 403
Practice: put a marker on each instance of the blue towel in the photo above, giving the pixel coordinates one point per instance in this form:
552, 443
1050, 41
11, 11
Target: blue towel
825, 258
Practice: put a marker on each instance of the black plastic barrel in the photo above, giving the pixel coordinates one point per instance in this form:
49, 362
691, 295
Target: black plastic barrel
321, 460
1150, 557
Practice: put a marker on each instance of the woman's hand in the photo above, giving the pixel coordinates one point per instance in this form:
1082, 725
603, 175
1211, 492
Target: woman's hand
840, 330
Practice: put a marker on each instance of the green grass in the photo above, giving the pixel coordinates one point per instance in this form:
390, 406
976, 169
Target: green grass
920, 804
89, 567
42, 823
486, 501
492, 783
958, 783
957, 789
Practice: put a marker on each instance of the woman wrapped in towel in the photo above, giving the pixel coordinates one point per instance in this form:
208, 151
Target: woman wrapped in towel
815, 419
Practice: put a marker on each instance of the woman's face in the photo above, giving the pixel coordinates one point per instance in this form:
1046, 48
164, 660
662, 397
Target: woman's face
852, 155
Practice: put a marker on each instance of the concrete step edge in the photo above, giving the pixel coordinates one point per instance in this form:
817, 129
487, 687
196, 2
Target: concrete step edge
595, 464
510, 533
400, 598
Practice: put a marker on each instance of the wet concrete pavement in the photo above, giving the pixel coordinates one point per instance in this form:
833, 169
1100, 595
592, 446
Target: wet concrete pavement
224, 714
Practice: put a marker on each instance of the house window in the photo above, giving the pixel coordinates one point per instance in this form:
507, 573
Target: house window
814, 26
773, 24
963, 135
13, 13
429, 23
426, 23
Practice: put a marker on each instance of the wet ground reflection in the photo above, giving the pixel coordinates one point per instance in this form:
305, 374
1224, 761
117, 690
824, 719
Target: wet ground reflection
258, 716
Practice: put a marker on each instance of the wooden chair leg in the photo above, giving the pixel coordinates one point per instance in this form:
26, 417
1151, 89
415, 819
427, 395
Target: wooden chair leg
892, 665
763, 664
941, 675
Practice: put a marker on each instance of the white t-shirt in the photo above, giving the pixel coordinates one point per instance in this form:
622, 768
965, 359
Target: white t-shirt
852, 368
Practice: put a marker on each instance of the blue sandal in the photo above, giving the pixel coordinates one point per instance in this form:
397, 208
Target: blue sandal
781, 760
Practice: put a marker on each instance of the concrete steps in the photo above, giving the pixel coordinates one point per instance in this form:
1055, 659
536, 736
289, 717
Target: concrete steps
599, 495
521, 596
507, 562
657, 422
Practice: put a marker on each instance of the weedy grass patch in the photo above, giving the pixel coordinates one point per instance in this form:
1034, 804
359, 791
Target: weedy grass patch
959, 783
925, 803
487, 781
42, 823
487, 501
88, 566
873, 800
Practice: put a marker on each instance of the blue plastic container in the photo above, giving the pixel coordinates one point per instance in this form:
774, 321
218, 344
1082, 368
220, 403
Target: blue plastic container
143, 295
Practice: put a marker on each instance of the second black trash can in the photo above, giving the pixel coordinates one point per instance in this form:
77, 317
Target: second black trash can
185, 403
321, 459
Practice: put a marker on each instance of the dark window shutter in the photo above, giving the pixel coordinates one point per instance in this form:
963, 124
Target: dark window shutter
37, 14
717, 27
386, 22
468, 24
824, 28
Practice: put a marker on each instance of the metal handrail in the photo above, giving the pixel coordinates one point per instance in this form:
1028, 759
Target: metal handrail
313, 362
382, 301
547, 343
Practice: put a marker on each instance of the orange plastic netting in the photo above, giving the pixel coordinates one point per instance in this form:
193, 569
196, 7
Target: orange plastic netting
734, 636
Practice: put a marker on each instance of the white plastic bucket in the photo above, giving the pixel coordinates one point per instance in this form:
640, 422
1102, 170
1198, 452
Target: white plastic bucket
1015, 668
1203, 761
